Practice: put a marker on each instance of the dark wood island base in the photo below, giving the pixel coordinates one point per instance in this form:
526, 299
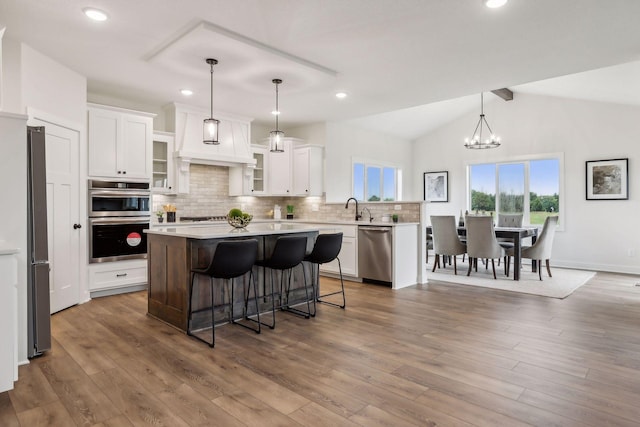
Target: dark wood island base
173, 252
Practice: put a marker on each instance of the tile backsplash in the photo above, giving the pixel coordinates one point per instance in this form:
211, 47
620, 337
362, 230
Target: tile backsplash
209, 195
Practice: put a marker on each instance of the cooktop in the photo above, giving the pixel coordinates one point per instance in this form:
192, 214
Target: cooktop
203, 218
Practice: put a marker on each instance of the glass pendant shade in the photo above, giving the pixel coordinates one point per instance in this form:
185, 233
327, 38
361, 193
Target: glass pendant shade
210, 131
276, 137
276, 141
476, 142
211, 125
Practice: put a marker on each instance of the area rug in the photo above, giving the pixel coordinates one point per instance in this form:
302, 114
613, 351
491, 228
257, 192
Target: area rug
563, 283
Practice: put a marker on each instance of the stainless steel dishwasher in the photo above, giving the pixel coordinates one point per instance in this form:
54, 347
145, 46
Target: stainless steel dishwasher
374, 253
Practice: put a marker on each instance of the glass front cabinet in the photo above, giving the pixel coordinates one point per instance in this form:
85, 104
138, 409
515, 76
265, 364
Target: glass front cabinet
163, 169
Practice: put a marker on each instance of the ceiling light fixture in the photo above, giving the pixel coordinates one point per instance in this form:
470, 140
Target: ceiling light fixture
210, 129
341, 95
186, 92
493, 4
276, 137
95, 14
476, 142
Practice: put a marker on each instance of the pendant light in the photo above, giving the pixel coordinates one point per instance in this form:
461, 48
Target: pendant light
476, 142
276, 137
210, 129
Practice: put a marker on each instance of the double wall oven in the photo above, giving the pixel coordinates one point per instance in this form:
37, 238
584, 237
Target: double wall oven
119, 212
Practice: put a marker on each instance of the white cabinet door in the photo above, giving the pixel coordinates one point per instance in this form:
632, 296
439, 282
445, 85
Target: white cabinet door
307, 171
134, 153
280, 172
259, 179
104, 140
8, 320
348, 259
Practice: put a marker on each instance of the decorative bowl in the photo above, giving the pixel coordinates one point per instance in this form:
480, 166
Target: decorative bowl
239, 221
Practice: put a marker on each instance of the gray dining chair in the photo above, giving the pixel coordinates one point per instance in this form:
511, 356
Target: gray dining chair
482, 242
541, 249
508, 220
445, 240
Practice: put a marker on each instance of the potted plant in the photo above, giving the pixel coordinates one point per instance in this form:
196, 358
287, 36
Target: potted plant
160, 215
290, 211
394, 217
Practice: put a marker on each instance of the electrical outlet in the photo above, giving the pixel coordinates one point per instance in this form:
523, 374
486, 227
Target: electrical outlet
397, 207
315, 207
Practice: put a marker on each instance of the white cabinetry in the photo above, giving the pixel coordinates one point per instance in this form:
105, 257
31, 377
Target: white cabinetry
119, 143
279, 171
348, 253
307, 170
163, 167
8, 320
110, 276
249, 180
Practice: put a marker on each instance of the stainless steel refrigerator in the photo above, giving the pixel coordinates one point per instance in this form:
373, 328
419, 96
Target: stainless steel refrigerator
38, 306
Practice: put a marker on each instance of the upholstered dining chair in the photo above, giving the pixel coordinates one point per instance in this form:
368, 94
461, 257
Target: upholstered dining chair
445, 240
482, 242
541, 249
508, 220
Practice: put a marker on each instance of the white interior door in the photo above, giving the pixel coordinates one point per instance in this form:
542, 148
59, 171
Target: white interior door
63, 212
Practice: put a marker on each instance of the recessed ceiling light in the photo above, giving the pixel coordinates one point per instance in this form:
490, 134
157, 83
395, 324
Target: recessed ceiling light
494, 3
95, 14
186, 92
275, 112
341, 95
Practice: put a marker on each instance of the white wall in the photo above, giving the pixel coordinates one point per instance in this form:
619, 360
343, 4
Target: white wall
315, 133
597, 234
344, 142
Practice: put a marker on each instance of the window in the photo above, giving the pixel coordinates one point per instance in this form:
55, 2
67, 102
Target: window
531, 187
375, 182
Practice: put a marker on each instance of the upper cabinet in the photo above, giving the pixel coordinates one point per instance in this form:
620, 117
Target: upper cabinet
279, 171
163, 168
120, 143
307, 171
295, 172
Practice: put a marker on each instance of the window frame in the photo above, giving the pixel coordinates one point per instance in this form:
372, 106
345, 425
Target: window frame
381, 165
526, 159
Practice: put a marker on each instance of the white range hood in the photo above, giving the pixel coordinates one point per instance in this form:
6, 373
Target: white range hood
234, 135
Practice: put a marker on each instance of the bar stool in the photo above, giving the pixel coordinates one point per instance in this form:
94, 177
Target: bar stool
231, 259
288, 252
326, 249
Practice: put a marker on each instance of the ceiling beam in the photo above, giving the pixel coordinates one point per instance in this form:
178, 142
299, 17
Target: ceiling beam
503, 93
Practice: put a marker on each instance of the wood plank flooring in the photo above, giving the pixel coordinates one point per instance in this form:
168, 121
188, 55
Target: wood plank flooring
430, 355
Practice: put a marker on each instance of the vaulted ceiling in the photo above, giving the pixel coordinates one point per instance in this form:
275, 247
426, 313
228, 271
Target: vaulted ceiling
387, 55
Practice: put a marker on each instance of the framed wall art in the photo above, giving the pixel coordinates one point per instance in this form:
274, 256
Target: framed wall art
607, 179
436, 186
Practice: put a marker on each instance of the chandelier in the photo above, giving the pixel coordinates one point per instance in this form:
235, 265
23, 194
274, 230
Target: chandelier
476, 142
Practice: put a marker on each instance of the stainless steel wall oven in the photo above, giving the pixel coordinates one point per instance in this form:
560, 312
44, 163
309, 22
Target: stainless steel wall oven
119, 212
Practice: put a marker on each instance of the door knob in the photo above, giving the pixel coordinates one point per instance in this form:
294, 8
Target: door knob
76, 226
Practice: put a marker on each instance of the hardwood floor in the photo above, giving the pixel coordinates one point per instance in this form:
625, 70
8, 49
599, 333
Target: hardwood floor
432, 355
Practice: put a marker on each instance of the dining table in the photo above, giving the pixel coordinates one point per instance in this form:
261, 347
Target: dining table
516, 235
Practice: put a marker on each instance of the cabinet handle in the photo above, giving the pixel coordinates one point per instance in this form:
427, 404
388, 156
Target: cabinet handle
119, 171
76, 226
121, 275
124, 172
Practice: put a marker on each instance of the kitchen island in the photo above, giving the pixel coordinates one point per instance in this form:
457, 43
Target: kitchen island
174, 251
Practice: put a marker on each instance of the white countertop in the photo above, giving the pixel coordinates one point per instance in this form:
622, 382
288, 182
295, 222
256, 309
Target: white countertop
156, 225
223, 230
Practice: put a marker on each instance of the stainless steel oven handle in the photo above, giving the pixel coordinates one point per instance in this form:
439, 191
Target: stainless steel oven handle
122, 193
118, 220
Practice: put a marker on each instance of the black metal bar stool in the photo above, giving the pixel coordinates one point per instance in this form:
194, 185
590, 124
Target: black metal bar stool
231, 259
326, 249
288, 252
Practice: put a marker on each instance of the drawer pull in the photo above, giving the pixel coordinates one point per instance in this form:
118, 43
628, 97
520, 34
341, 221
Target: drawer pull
121, 275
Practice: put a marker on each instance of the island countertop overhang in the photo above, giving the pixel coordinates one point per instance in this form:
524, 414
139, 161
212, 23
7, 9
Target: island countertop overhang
226, 231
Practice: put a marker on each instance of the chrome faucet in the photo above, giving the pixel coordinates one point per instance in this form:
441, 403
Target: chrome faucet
369, 212
358, 216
